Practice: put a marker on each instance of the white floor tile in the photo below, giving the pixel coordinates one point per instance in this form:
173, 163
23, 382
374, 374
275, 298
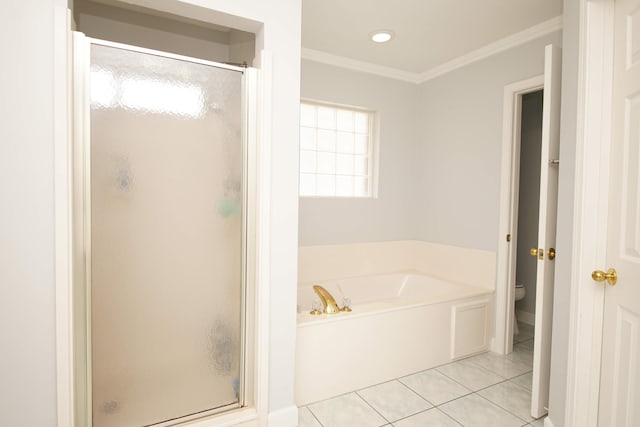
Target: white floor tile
432, 418
346, 411
394, 400
526, 332
521, 355
539, 422
528, 344
474, 411
434, 386
502, 397
500, 365
524, 380
511, 398
306, 418
472, 376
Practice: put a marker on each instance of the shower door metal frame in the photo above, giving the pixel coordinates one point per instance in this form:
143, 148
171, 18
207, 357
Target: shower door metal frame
81, 218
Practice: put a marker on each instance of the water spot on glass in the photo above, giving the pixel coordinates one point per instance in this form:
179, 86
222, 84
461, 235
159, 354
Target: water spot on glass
221, 348
123, 177
110, 406
227, 207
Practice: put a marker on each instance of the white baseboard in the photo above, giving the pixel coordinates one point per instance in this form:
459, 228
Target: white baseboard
244, 417
285, 417
492, 346
526, 317
547, 422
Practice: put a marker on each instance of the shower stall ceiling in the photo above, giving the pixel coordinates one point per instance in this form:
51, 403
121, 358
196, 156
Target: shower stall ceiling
152, 29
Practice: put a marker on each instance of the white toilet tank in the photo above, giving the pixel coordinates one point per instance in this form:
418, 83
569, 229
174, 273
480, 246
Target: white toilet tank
520, 291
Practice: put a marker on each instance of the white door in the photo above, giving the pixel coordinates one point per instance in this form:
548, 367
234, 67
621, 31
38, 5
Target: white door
620, 365
546, 231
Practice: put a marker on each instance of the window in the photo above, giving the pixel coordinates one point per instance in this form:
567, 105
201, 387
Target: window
336, 151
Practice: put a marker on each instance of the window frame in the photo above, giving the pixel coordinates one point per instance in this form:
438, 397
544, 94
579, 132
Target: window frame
373, 144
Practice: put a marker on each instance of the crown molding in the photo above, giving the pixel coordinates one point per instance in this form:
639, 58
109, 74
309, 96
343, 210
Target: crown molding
547, 27
362, 66
514, 40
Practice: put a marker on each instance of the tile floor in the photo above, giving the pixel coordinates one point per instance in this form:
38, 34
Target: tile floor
483, 390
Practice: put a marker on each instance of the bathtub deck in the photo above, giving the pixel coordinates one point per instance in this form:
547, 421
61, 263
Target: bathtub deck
486, 389
305, 318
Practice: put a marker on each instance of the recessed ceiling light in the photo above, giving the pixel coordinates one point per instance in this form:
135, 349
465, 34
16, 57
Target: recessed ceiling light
382, 36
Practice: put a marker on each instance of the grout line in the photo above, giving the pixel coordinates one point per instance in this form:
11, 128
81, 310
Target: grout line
409, 416
470, 392
451, 400
521, 386
492, 385
505, 409
454, 420
314, 415
457, 382
371, 406
431, 409
481, 368
417, 394
402, 384
451, 416
502, 374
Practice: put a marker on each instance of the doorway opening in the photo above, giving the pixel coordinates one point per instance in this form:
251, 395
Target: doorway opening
514, 250
528, 217
507, 256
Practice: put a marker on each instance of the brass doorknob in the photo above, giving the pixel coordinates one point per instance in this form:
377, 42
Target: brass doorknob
533, 251
551, 253
611, 276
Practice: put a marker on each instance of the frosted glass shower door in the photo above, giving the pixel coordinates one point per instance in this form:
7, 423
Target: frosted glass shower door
166, 215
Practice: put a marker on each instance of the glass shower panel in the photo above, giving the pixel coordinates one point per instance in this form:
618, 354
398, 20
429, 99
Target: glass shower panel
166, 180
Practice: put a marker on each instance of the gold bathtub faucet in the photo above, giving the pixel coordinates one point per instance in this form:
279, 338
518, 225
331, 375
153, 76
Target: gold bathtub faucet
328, 302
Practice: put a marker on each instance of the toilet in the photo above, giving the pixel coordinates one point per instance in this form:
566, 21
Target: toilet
520, 293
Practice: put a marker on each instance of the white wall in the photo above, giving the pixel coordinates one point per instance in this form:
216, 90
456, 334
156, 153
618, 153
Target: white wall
26, 194
27, 306
440, 152
343, 220
331, 262
460, 136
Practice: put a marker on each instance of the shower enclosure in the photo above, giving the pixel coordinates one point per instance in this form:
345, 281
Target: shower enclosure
161, 190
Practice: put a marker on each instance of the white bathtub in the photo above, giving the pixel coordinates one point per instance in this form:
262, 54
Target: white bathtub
401, 323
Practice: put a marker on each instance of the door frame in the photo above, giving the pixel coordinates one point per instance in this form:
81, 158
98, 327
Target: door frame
258, 132
593, 140
508, 222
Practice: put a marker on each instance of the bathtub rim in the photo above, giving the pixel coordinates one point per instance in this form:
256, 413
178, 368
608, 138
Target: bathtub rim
463, 291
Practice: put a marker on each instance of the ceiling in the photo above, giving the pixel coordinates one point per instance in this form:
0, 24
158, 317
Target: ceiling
428, 33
